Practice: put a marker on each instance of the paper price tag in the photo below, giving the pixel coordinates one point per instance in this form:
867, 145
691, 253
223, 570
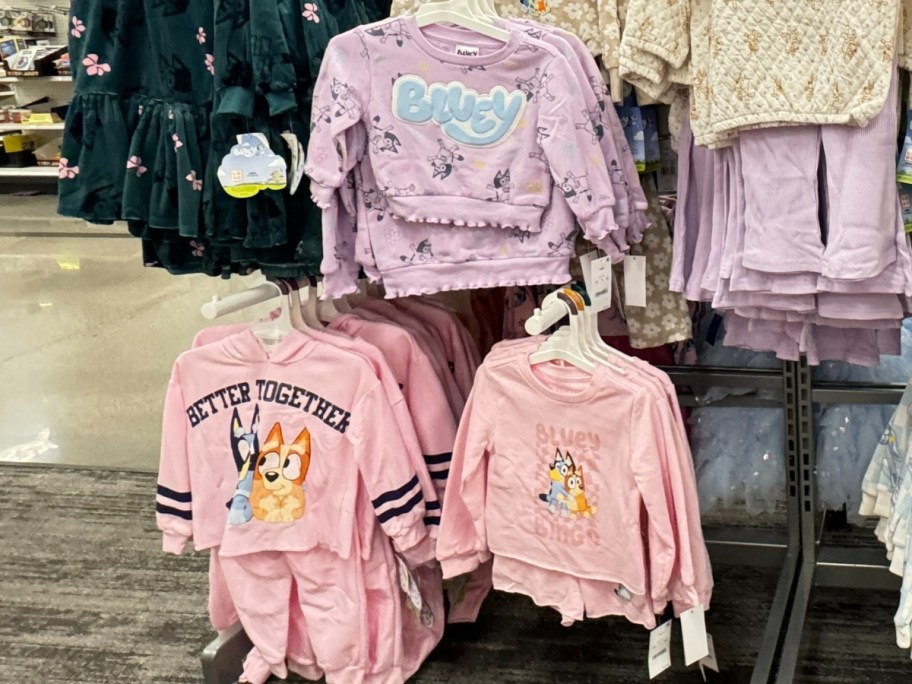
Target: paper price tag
598, 276
693, 631
710, 660
659, 649
602, 277
635, 280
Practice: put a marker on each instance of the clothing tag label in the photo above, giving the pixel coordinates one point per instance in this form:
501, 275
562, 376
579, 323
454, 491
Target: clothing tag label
659, 649
249, 167
297, 161
597, 275
467, 50
635, 280
693, 630
710, 660
602, 277
623, 593
420, 609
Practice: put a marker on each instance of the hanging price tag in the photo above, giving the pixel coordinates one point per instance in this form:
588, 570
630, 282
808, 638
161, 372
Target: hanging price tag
598, 276
710, 660
635, 280
693, 630
659, 649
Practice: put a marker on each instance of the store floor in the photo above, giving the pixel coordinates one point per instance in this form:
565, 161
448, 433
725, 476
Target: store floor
87, 597
87, 339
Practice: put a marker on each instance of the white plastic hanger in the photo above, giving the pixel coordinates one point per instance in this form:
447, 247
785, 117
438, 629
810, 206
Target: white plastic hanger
307, 305
578, 336
460, 13
326, 308
270, 331
566, 348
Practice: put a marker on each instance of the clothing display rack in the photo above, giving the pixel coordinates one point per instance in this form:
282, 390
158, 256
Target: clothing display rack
804, 561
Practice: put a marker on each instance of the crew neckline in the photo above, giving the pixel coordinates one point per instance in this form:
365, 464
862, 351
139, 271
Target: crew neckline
450, 34
569, 397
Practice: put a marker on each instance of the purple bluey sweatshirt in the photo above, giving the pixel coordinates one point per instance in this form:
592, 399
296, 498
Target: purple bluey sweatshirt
459, 132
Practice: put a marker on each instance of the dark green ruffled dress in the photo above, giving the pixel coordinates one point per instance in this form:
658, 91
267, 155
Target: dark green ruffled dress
163, 87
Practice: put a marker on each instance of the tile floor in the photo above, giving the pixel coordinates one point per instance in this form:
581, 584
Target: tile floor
87, 339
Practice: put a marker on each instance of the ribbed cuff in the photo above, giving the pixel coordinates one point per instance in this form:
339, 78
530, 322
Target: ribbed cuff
421, 553
173, 543
459, 565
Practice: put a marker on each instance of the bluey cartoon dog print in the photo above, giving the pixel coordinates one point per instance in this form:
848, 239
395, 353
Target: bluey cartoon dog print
444, 162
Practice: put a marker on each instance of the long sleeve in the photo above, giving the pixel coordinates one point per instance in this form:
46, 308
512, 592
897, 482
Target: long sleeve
462, 542
692, 582
340, 97
386, 471
648, 474
574, 155
173, 500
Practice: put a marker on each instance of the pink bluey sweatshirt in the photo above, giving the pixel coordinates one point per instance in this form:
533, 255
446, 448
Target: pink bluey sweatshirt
436, 116
561, 491
691, 580
322, 426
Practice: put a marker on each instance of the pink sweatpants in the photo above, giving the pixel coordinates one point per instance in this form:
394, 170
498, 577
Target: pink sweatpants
784, 201
330, 593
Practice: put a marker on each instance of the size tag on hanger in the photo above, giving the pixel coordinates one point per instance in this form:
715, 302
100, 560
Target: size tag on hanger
420, 609
710, 660
296, 172
598, 276
635, 280
659, 649
693, 630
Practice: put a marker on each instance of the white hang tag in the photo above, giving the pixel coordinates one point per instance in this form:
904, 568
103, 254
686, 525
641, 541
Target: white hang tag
635, 280
710, 660
597, 275
296, 172
693, 631
659, 649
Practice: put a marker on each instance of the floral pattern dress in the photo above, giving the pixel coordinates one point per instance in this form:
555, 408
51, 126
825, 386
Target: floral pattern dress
162, 89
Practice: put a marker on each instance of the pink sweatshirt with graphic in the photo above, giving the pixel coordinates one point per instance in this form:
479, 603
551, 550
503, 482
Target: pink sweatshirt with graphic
691, 581
267, 450
468, 135
556, 477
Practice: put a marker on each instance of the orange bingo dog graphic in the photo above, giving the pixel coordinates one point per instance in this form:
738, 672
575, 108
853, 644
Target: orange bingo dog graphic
278, 481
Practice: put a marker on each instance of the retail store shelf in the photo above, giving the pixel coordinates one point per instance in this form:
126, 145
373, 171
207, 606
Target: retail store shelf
7, 127
29, 172
23, 79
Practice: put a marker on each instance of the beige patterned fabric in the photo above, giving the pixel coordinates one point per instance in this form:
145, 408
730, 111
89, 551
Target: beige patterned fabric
800, 61
577, 16
759, 63
666, 317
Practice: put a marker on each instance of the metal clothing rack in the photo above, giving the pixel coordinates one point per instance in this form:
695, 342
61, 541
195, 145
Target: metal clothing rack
824, 565
803, 561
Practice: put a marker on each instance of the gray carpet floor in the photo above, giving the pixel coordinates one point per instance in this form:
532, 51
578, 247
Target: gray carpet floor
87, 596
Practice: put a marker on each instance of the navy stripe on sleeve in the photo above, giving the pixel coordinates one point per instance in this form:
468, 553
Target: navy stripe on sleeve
400, 510
440, 474
396, 493
432, 505
432, 520
180, 497
437, 459
170, 510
